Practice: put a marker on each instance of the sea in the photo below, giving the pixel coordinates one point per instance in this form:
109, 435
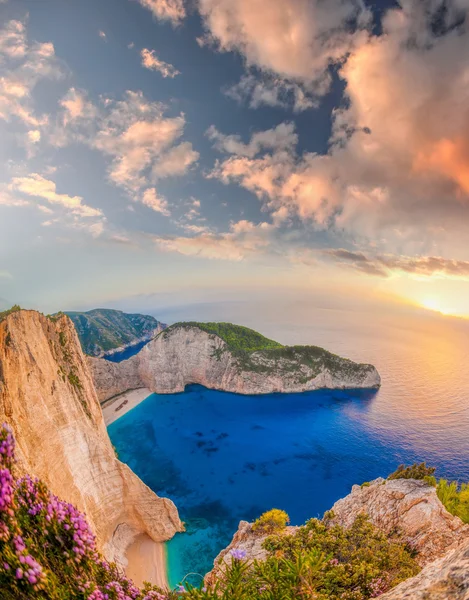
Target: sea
224, 457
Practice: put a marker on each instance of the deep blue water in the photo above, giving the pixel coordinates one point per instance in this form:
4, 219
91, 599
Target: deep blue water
126, 353
223, 457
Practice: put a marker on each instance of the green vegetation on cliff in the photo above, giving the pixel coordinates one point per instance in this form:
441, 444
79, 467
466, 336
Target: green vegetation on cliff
102, 330
237, 337
259, 354
4, 314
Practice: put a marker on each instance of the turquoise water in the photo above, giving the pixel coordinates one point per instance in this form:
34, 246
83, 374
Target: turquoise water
223, 457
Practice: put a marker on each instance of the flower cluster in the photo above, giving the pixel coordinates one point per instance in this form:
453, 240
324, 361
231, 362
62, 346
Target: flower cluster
47, 548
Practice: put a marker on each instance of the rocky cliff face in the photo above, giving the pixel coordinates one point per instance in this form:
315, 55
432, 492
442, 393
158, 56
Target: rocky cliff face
443, 579
48, 398
183, 355
408, 508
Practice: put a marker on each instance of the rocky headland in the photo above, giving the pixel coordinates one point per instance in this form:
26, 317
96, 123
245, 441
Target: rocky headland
229, 358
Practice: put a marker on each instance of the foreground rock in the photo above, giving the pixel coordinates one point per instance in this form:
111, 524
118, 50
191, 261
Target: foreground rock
406, 507
48, 398
245, 540
185, 354
443, 579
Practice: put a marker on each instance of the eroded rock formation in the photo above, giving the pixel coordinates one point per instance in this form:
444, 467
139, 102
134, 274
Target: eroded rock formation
408, 508
48, 398
444, 579
183, 355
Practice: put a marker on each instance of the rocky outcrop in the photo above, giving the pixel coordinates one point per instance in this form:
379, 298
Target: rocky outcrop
186, 354
48, 398
443, 579
408, 508
245, 540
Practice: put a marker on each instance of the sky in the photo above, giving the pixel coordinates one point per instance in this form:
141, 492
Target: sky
159, 151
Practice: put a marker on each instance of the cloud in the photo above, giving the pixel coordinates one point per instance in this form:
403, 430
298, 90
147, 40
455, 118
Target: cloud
398, 163
5, 274
242, 240
13, 40
290, 44
258, 90
153, 63
176, 161
166, 10
76, 106
142, 143
35, 185
282, 137
386, 265
155, 202
23, 65
136, 135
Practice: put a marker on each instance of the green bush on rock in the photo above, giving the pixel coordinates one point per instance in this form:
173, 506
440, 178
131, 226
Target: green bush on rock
455, 498
272, 521
415, 471
318, 561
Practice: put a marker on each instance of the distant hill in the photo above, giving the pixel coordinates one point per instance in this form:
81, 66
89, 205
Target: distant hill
102, 330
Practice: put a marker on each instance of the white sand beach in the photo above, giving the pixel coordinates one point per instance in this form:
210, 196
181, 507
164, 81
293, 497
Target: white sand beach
119, 405
147, 562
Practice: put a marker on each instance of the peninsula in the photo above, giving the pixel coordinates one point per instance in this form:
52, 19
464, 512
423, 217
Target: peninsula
226, 357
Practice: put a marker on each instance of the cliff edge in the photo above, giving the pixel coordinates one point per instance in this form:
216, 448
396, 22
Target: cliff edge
48, 398
230, 358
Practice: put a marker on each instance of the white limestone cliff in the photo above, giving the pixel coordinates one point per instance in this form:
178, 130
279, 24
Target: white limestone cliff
183, 355
48, 397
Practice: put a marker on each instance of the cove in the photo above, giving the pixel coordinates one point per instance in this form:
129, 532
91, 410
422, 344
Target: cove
224, 457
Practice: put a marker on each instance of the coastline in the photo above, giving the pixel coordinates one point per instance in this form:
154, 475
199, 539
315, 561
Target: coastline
117, 406
147, 561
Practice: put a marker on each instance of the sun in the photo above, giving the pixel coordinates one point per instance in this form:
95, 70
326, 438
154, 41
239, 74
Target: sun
434, 304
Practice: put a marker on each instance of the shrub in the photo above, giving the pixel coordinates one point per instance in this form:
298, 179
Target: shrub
455, 498
321, 562
5, 313
271, 521
415, 471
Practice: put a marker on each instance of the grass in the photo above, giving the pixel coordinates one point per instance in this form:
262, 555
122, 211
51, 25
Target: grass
237, 337
256, 353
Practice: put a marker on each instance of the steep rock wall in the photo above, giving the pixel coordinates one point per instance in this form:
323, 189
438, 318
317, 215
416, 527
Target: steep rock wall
48, 397
406, 507
184, 355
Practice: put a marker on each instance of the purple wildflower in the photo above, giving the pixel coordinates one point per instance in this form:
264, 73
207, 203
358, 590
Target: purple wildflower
238, 554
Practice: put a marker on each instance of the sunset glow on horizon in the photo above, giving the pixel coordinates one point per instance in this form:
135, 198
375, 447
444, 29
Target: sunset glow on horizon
171, 155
